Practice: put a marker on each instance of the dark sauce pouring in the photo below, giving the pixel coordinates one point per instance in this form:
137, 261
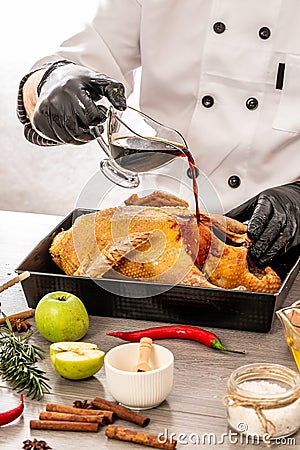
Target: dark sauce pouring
139, 154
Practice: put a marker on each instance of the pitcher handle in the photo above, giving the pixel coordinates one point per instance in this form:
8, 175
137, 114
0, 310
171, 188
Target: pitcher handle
97, 133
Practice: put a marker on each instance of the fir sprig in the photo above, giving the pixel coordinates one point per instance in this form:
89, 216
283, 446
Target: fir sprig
18, 362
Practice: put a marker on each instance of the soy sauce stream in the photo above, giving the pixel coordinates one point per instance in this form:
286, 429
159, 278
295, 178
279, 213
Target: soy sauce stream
192, 165
144, 154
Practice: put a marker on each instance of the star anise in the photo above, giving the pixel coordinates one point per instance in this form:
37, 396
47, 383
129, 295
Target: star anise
84, 404
36, 445
20, 325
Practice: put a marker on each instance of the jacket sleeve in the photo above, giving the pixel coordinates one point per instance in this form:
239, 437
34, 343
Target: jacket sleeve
109, 43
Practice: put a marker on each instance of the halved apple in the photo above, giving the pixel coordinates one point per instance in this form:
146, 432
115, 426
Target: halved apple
76, 360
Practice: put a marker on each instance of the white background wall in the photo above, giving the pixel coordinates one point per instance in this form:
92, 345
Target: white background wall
35, 179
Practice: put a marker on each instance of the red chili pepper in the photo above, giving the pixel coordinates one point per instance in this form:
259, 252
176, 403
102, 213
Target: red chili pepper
175, 331
12, 414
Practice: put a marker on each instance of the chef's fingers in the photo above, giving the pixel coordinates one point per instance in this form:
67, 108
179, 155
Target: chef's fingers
44, 121
111, 89
90, 113
261, 216
115, 93
62, 133
72, 124
265, 240
281, 244
79, 122
58, 124
90, 119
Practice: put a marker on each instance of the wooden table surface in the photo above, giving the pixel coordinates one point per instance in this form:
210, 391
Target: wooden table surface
194, 407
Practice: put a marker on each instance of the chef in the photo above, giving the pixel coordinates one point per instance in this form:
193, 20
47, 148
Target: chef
225, 73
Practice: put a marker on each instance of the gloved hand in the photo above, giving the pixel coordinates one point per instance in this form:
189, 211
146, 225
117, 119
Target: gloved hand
66, 104
274, 221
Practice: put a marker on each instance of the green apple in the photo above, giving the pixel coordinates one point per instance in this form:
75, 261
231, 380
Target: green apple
76, 360
61, 316
59, 347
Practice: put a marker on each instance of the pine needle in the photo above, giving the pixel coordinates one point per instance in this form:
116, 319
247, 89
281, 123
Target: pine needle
18, 363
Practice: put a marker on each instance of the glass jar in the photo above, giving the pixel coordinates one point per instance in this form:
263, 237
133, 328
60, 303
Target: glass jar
263, 400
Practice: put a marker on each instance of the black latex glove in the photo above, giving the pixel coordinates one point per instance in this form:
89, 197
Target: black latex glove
274, 221
66, 104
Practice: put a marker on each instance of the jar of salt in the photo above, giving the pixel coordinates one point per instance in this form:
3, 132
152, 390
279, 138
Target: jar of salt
263, 400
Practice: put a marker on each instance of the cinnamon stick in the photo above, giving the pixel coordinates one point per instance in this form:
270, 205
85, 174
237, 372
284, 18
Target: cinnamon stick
138, 437
110, 416
121, 411
49, 415
14, 280
21, 315
60, 425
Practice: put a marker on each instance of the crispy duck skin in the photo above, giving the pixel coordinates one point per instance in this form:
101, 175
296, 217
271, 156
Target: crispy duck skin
161, 244
156, 198
136, 242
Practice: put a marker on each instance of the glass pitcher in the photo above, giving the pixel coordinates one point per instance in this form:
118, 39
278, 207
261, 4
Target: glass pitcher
136, 143
290, 319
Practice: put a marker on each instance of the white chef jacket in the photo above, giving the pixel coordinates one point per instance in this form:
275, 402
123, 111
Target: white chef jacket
225, 73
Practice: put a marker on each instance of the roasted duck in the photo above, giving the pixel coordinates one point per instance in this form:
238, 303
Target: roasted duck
162, 244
